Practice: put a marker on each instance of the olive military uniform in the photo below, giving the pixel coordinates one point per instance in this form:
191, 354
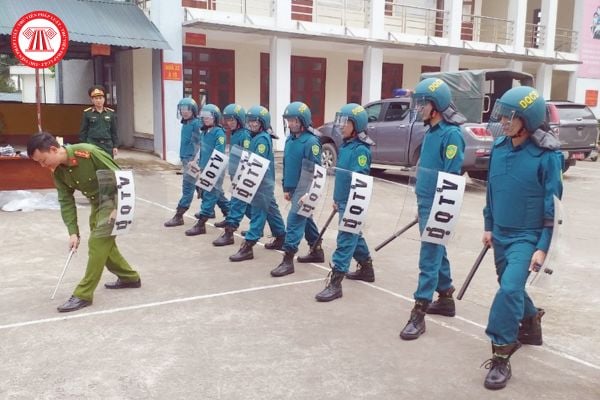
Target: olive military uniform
80, 174
99, 128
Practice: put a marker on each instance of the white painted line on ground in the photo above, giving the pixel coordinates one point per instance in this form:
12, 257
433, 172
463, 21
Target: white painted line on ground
547, 348
156, 304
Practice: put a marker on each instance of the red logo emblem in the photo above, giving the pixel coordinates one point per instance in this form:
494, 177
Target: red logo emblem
39, 39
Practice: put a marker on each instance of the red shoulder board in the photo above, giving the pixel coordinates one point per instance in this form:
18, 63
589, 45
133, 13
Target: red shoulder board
82, 153
73, 162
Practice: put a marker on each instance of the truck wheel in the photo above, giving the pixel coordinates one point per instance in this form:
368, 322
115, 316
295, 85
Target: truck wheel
479, 175
328, 155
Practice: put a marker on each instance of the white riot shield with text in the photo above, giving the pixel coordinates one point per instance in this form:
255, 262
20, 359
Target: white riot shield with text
357, 205
310, 189
541, 277
213, 173
116, 206
252, 183
449, 192
191, 170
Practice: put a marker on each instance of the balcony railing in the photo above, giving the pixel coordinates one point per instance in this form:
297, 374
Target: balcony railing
415, 20
348, 13
565, 40
487, 29
246, 7
535, 36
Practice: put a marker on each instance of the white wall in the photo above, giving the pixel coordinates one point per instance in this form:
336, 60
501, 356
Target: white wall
27, 76
78, 77
142, 91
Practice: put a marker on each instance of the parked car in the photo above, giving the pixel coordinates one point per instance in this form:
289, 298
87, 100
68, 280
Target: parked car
398, 140
576, 127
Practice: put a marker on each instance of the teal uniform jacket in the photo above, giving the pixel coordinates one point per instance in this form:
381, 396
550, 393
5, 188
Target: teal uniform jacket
99, 128
190, 139
354, 156
240, 137
297, 148
212, 138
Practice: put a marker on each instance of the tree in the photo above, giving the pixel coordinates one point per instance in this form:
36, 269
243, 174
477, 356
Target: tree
6, 84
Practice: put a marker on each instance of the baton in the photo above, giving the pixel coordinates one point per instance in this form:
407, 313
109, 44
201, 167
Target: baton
465, 285
400, 232
333, 212
63, 273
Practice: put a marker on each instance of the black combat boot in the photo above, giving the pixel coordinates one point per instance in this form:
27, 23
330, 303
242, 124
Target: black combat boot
222, 224
276, 243
415, 326
286, 266
333, 290
315, 255
244, 253
226, 237
198, 228
499, 365
444, 305
530, 329
177, 218
364, 271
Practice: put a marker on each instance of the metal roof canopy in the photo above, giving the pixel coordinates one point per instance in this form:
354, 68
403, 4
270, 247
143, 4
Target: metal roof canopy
108, 22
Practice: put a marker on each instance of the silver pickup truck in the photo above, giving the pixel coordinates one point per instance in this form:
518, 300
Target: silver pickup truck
398, 141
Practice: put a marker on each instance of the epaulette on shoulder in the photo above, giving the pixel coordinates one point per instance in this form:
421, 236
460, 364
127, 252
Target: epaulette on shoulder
82, 153
109, 109
87, 109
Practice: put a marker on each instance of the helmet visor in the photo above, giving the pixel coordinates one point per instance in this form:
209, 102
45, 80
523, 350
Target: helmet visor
417, 103
207, 114
184, 111
340, 120
501, 120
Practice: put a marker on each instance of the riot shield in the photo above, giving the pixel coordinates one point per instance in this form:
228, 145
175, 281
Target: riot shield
309, 194
116, 203
252, 183
209, 179
540, 277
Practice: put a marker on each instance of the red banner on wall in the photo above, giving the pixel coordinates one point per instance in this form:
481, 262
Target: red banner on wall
171, 72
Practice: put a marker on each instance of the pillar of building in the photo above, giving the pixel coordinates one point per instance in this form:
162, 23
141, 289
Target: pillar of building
548, 20
453, 28
372, 74
168, 20
279, 84
517, 13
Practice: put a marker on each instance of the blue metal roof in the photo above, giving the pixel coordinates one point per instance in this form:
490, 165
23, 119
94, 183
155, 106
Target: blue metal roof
115, 23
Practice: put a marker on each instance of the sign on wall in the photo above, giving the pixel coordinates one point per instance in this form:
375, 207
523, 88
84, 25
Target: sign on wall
589, 40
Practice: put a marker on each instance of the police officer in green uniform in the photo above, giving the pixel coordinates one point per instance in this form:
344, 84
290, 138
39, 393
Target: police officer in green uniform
99, 123
74, 168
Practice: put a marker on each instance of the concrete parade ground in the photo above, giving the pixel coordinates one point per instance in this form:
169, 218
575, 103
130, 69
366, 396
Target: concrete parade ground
202, 327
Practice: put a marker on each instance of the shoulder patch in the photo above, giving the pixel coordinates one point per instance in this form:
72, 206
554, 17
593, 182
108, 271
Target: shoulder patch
221, 140
362, 160
82, 153
87, 109
261, 148
246, 143
451, 151
315, 149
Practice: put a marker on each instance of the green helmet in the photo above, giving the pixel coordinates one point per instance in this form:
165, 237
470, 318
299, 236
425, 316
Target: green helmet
235, 111
524, 102
261, 114
299, 110
187, 103
355, 113
211, 110
434, 90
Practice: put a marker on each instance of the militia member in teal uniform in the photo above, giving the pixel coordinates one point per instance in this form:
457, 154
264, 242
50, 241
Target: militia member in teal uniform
234, 116
354, 156
74, 168
99, 123
442, 150
524, 178
187, 109
301, 144
212, 137
259, 122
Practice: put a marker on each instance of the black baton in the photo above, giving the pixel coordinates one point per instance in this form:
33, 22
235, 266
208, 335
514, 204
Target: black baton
400, 232
465, 285
333, 212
